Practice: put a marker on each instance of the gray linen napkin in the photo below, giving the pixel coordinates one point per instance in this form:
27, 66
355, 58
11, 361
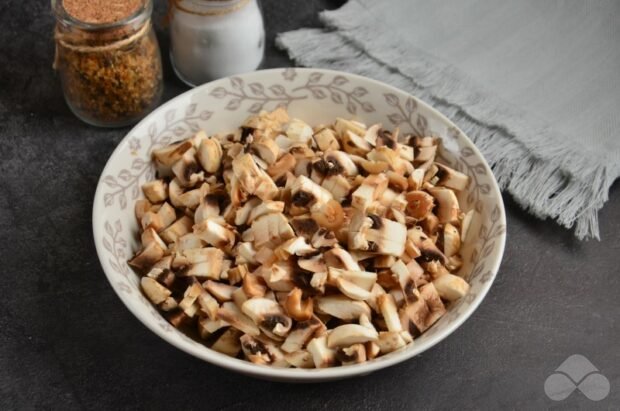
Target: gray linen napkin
535, 84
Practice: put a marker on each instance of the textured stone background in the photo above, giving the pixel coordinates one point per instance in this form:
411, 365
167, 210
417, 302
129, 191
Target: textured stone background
67, 342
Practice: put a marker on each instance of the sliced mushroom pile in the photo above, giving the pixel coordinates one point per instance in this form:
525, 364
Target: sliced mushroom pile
294, 246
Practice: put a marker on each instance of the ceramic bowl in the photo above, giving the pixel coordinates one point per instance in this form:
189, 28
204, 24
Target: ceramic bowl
316, 96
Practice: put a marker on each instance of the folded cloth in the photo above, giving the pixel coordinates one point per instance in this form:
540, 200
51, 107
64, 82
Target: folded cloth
536, 85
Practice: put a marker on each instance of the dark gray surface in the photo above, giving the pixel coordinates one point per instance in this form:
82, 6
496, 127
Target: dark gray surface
67, 342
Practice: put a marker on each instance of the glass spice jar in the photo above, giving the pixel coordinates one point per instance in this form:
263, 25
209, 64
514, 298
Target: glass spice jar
210, 39
110, 71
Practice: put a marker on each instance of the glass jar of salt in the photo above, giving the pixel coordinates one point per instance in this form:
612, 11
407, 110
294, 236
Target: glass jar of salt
210, 39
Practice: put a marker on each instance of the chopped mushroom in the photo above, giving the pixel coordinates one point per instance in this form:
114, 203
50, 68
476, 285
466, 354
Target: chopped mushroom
289, 246
349, 334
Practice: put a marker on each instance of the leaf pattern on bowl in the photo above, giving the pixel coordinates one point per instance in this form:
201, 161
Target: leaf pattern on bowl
122, 186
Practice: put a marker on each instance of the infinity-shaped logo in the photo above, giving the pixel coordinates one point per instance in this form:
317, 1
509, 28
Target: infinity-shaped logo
577, 372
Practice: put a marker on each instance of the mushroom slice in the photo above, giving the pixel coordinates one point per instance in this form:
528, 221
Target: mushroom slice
430, 225
416, 179
322, 355
296, 307
427, 309
318, 281
342, 307
188, 241
150, 236
299, 359
156, 191
165, 216
229, 313
387, 307
266, 207
338, 186
451, 240
448, 204
354, 144
377, 234
245, 253
324, 238
279, 277
340, 258
301, 334
315, 264
390, 341
210, 154
294, 246
243, 214
448, 177
375, 292
329, 215
165, 157
142, 207
389, 156
209, 205
371, 189
215, 234
405, 279
349, 334
419, 204
299, 132
268, 315
384, 261
363, 279
254, 350
342, 162
149, 255
427, 248
325, 139
372, 349
207, 326
228, 343
154, 291
252, 179
450, 287
178, 229
208, 305
354, 354
342, 126
284, 165
237, 274
187, 169
222, 292
271, 230
266, 149
188, 303
306, 193
200, 263
372, 133
253, 285
352, 290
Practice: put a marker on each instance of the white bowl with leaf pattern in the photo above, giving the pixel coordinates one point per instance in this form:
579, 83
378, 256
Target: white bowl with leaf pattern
316, 96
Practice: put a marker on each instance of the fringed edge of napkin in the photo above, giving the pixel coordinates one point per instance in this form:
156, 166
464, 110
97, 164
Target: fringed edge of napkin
545, 178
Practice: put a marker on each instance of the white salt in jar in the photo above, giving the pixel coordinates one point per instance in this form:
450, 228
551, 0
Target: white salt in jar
210, 39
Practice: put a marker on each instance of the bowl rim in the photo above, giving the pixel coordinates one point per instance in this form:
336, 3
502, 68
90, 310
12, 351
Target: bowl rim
296, 374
